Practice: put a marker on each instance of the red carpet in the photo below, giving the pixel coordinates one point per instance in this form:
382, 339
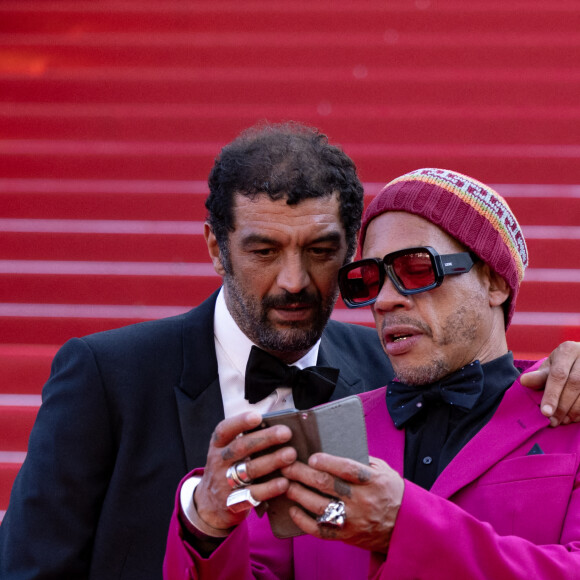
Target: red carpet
111, 114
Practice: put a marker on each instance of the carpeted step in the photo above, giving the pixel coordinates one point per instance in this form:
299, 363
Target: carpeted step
103, 199
25, 367
372, 122
55, 324
471, 48
140, 283
15, 426
262, 86
85, 246
8, 471
376, 162
339, 16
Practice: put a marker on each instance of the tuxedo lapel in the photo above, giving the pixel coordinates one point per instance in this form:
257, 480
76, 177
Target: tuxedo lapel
198, 395
197, 419
517, 418
348, 383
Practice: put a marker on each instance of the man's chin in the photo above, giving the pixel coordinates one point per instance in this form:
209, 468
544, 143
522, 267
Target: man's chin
419, 375
290, 339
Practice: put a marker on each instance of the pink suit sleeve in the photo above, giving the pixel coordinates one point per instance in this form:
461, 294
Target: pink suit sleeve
454, 544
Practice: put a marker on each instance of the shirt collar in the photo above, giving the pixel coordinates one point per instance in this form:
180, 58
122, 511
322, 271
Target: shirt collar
498, 374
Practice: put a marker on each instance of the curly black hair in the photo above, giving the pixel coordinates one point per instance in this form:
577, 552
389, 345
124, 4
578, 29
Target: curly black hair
287, 160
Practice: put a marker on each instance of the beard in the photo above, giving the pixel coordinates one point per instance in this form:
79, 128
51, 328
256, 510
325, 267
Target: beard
421, 375
460, 328
251, 315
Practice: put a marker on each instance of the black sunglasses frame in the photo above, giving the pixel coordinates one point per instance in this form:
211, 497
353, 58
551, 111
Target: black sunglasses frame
446, 265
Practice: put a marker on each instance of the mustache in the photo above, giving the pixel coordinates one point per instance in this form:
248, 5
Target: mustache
407, 321
304, 298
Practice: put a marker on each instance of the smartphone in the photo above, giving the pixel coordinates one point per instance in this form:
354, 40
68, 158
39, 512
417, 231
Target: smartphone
337, 428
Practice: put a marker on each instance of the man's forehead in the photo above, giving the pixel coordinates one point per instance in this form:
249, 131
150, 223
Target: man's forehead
261, 208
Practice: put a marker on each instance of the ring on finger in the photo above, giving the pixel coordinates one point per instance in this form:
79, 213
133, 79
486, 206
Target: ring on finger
237, 475
242, 472
334, 515
241, 500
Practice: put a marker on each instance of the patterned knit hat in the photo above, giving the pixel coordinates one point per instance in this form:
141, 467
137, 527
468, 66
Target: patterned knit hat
467, 210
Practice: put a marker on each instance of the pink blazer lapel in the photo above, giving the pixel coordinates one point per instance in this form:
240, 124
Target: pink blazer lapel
385, 440
517, 418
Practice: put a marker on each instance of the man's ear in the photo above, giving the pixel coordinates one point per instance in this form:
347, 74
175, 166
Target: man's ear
213, 249
498, 290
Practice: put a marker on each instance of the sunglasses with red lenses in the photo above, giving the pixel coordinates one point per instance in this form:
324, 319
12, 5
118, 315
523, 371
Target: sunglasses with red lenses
412, 270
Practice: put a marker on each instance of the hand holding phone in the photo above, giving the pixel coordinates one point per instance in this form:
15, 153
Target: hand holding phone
337, 428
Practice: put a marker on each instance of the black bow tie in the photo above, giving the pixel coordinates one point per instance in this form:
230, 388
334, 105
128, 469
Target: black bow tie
310, 386
460, 389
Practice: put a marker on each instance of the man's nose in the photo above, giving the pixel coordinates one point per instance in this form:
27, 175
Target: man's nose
389, 298
293, 276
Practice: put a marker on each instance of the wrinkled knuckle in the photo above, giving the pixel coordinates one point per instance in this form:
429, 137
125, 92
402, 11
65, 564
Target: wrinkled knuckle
227, 453
258, 441
559, 374
233, 446
218, 434
570, 347
324, 480
362, 474
574, 379
352, 471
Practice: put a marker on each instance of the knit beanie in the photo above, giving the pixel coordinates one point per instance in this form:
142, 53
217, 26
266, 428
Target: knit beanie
469, 211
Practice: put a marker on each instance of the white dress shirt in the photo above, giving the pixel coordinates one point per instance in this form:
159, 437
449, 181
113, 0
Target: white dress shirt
232, 348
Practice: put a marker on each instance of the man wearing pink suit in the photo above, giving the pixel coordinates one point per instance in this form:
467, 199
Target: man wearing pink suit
466, 478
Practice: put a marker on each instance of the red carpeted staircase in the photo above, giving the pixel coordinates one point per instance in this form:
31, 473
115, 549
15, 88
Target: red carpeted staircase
111, 113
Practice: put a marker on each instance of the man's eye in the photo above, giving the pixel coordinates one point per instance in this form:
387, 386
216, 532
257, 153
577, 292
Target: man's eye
263, 252
323, 251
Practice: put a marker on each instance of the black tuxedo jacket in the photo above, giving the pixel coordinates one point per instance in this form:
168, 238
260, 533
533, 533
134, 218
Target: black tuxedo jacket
125, 415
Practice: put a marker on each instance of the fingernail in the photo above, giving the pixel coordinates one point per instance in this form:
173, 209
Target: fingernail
288, 455
566, 420
548, 410
554, 422
283, 433
253, 417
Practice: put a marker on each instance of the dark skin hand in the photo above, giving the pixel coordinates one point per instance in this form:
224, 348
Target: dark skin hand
372, 495
560, 373
228, 446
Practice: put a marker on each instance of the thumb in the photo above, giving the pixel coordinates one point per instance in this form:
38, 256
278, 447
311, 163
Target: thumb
535, 379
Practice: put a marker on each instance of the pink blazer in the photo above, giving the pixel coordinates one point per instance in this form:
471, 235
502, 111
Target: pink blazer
495, 512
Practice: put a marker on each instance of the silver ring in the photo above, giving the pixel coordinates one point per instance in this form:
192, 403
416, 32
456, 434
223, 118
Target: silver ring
242, 472
241, 500
334, 515
237, 475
